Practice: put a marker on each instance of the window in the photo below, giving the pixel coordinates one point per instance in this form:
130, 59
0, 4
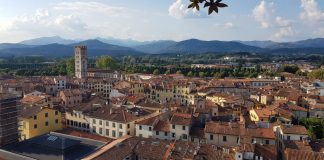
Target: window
157, 132
224, 138
100, 122
100, 130
267, 141
68, 122
35, 126
35, 117
46, 114
107, 123
165, 133
140, 127
120, 134
114, 125
211, 137
56, 112
140, 135
288, 137
114, 133
56, 121
128, 125
173, 135
183, 127
107, 132
173, 126
120, 126
46, 123
184, 136
150, 128
301, 138
94, 129
93, 121
128, 133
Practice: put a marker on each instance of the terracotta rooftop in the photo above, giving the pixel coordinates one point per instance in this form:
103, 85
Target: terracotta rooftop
77, 133
181, 119
264, 112
71, 92
266, 151
119, 114
294, 154
294, 129
162, 126
32, 99
148, 121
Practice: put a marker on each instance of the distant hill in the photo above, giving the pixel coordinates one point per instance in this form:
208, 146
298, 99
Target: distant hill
60, 47
47, 40
95, 48
305, 50
198, 46
309, 43
154, 47
123, 42
260, 44
13, 45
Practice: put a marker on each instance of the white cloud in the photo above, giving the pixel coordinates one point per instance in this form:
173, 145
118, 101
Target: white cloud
281, 22
262, 13
84, 8
311, 11
43, 22
227, 25
319, 32
285, 32
79, 20
180, 10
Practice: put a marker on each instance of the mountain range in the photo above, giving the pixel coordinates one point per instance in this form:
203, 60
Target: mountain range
60, 47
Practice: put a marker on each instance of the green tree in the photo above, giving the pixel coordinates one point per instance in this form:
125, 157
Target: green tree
190, 74
201, 74
168, 71
318, 74
289, 68
315, 127
70, 66
156, 72
105, 62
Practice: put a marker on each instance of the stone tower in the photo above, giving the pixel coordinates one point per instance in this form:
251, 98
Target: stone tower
81, 61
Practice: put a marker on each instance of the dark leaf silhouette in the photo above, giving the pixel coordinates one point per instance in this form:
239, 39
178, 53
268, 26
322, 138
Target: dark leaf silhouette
213, 6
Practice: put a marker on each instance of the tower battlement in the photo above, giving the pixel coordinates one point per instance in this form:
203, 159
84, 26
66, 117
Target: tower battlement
80, 47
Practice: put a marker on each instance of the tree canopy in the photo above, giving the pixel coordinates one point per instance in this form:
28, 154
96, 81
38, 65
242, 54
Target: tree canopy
318, 74
105, 62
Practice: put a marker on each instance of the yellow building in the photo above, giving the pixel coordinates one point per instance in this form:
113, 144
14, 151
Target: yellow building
260, 115
36, 120
137, 88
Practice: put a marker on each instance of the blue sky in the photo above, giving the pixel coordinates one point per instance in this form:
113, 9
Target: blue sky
278, 20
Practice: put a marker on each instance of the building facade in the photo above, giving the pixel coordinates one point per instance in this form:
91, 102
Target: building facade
8, 119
